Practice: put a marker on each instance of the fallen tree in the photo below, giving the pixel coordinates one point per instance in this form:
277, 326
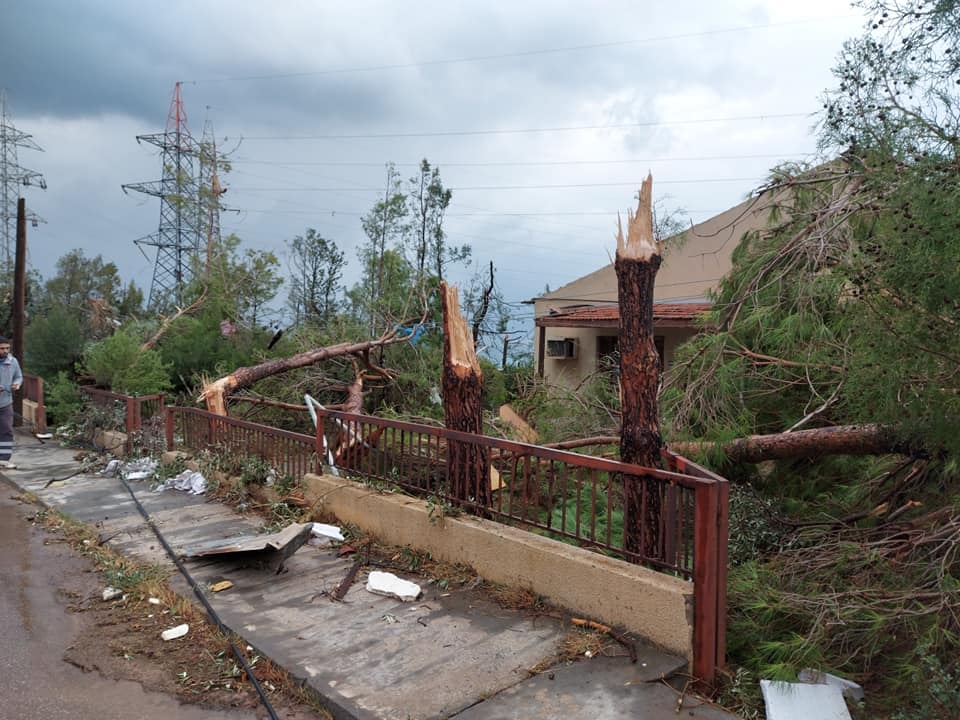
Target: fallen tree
867, 439
216, 393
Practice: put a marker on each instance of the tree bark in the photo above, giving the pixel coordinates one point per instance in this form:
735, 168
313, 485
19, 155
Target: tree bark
462, 383
637, 262
868, 439
215, 393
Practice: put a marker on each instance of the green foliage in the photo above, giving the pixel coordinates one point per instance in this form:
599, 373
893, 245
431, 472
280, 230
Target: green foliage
62, 398
558, 413
240, 286
591, 512
54, 342
754, 531
197, 348
494, 386
941, 678
316, 275
842, 311
120, 364
78, 279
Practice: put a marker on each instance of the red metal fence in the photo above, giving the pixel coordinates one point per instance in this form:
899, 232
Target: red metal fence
141, 418
290, 454
563, 495
568, 496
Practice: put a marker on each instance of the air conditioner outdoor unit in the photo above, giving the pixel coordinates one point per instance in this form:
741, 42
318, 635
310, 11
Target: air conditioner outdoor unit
565, 349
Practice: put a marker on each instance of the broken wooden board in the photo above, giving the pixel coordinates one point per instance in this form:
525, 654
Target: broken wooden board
268, 551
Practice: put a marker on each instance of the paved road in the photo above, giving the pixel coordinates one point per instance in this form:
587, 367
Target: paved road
36, 628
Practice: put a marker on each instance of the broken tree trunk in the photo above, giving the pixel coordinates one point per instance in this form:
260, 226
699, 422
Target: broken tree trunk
637, 261
215, 393
869, 439
462, 385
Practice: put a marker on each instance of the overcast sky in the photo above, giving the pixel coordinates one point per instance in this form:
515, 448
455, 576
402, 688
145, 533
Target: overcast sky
543, 117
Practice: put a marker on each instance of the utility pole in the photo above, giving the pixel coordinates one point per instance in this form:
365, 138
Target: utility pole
19, 295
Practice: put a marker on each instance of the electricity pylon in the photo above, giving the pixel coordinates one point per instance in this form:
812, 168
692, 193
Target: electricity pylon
177, 239
12, 177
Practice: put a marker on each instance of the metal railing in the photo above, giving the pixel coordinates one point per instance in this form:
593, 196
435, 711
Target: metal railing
567, 496
289, 453
563, 495
140, 417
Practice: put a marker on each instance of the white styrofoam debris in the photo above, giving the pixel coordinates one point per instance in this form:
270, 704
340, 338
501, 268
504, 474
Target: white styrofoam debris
175, 632
111, 593
190, 480
328, 531
139, 469
803, 701
849, 688
384, 583
153, 601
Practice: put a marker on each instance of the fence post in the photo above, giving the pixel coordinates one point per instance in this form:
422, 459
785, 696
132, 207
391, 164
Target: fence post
709, 596
168, 427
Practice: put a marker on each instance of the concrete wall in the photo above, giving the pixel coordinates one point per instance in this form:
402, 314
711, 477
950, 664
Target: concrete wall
651, 604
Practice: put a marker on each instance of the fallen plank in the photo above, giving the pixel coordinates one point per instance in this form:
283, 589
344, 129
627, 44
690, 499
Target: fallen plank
269, 551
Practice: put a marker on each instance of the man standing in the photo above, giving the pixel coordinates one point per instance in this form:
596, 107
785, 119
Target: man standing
10, 380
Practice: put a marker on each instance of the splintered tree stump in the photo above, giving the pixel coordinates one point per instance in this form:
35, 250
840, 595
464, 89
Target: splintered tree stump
637, 261
462, 385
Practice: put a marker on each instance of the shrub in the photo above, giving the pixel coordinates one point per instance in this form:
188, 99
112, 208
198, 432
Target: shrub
119, 363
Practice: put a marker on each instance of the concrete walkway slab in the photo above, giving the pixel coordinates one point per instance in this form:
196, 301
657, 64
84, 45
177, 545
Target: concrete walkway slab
452, 653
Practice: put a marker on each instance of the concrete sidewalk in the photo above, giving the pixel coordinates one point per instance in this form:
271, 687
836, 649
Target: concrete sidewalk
453, 653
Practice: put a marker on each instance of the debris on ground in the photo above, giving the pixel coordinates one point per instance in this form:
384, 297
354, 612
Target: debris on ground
111, 593
803, 701
175, 632
850, 689
139, 469
341, 590
190, 480
385, 583
325, 530
221, 586
269, 551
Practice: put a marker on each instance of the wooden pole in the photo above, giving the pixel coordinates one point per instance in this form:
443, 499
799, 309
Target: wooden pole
19, 298
637, 261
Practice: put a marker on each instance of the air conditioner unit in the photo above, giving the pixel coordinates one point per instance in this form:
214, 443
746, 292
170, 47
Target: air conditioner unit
565, 349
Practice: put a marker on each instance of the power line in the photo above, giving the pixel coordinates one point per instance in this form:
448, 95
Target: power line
515, 131
527, 53
512, 163
462, 188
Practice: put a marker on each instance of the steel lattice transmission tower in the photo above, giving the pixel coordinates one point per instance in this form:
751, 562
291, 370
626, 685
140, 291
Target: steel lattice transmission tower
178, 238
12, 177
210, 193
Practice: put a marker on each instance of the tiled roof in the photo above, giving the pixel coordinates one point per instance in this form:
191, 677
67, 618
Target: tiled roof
664, 315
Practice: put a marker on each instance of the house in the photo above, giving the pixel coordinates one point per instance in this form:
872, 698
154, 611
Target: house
577, 324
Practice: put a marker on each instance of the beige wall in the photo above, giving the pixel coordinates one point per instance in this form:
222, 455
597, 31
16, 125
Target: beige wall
654, 605
570, 372
693, 264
